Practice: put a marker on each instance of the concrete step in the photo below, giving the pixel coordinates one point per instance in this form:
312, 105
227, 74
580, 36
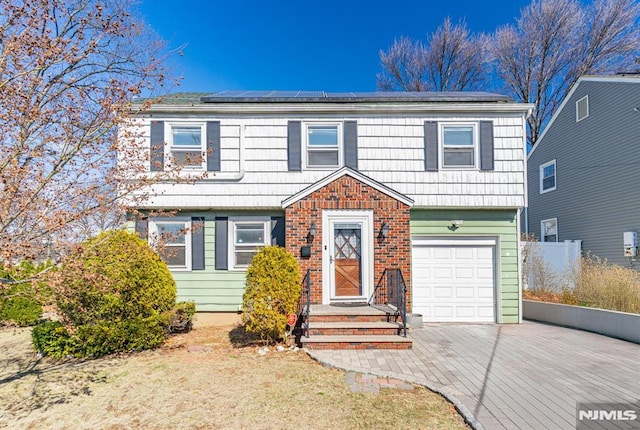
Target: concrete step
378, 328
357, 342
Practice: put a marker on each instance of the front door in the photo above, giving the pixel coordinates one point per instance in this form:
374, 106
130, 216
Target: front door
347, 267
347, 259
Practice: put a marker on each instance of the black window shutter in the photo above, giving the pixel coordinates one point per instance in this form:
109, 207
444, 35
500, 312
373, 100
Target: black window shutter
431, 146
351, 144
222, 239
197, 243
213, 146
277, 230
157, 146
486, 145
142, 228
294, 145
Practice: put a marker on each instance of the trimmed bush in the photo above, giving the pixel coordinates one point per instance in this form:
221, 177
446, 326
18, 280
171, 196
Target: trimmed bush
114, 294
52, 338
273, 291
21, 303
181, 317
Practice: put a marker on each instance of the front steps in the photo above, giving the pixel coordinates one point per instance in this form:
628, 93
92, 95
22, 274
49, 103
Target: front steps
353, 327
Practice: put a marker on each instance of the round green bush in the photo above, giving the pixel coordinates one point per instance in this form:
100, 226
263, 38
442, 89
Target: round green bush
273, 291
114, 294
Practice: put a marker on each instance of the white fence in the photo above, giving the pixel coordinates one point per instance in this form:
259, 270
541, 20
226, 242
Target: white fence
550, 265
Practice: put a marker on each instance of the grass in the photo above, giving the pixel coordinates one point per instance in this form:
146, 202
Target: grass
597, 284
199, 380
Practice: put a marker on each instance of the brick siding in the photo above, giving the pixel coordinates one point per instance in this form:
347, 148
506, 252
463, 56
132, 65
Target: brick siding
347, 193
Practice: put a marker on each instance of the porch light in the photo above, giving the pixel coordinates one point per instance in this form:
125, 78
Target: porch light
384, 230
456, 223
312, 232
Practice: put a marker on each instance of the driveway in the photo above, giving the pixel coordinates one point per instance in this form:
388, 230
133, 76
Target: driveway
512, 376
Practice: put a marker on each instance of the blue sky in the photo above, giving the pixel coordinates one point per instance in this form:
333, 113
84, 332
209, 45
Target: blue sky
301, 45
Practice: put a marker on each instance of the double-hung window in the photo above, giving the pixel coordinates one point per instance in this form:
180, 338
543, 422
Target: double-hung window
459, 145
548, 177
172, 240
323, 144
247, 237
549, 230
186, 146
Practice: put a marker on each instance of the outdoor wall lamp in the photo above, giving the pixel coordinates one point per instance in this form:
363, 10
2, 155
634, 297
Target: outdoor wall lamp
312, 232
384, 230
456, 223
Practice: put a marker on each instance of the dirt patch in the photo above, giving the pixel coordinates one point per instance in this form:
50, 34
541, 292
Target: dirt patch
199, 380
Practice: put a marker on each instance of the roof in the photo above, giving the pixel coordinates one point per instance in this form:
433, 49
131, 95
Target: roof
329, 97
355, 175
621, 78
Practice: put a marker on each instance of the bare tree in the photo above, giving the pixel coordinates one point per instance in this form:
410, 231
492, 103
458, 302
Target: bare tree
554, 42
69, 70
452, 60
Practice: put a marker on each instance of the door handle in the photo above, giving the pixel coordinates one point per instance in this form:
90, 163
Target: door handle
331, 259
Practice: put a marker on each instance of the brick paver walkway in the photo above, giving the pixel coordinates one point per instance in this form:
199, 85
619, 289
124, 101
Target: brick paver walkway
512, 376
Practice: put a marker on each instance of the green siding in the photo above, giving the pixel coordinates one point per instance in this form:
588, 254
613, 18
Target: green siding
212, 290
495, 223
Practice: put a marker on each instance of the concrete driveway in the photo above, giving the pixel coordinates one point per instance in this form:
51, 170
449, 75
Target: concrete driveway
512, 376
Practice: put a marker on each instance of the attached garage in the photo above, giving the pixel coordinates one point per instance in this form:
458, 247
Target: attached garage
454, 280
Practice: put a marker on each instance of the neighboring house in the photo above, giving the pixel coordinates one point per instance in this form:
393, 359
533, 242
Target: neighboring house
351, 184
584, 171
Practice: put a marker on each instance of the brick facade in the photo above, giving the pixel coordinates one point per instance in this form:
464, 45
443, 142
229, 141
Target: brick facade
347, 193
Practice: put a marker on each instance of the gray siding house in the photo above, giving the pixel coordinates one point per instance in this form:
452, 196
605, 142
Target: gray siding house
584, 172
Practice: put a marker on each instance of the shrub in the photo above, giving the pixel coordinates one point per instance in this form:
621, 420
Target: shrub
21, 303
273, 291
607, 286
52, 338
181, 317
113, 294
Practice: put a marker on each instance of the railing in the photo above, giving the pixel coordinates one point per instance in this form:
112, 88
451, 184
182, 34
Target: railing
391, 293
304, 305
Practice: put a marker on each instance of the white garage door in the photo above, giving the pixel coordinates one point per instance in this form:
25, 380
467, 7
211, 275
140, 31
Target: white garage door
454, 283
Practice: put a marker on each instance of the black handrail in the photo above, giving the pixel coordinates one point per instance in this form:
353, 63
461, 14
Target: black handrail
304, 307
391, 291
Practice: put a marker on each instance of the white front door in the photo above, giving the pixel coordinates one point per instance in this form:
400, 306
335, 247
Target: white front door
347, 256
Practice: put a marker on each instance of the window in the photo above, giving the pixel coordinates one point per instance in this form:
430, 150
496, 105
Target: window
248, 236
458, 145
548, 177
172, 240
186, 146
323, 145
549, 230
582, 108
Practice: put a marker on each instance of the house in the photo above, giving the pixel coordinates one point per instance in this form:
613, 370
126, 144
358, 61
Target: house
583, 171
352, 184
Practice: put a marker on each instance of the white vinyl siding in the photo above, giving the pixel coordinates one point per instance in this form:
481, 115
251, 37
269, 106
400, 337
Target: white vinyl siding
390, 151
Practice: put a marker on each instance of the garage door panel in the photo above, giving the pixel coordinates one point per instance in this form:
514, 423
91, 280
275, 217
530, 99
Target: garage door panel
454, 283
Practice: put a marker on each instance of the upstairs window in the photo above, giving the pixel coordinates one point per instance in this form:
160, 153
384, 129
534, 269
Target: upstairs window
323, 145
549, 230
582, 108
186, 146
172, 240
458, 145
548, 177
247, 237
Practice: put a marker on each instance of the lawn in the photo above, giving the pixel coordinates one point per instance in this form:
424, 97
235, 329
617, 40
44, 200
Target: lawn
199, 380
